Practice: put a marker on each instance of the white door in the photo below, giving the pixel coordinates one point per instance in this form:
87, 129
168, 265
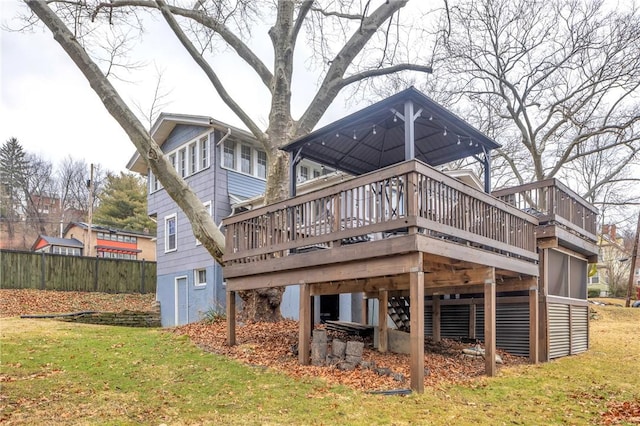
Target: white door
181, 301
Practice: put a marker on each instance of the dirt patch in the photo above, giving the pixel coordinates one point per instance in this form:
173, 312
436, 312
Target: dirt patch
274, 345
27, 301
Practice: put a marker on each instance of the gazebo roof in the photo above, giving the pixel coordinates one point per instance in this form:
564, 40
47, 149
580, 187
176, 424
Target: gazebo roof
374, 137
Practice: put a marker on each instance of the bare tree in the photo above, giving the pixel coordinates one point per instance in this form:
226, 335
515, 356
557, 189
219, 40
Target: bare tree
72, 179
353, 42
556, 83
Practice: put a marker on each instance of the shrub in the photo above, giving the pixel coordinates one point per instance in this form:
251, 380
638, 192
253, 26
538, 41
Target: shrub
593, 292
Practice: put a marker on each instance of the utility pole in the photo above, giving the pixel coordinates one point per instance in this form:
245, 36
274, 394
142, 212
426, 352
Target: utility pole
633, 266
90, 213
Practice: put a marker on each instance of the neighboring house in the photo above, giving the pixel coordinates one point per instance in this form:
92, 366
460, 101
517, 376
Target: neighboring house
55, 245
112, 243
612, 272
225, 166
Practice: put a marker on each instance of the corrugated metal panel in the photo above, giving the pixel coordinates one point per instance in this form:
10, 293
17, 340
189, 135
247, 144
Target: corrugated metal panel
428, 321
559, 331
512, 327
579, 329
454, 321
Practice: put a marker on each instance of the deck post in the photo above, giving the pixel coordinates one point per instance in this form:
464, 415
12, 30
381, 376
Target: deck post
383, 311
472, 320
409, 132
231, 318
436, 318
490, 326
533, 325
304, 328
416, 309
365, 310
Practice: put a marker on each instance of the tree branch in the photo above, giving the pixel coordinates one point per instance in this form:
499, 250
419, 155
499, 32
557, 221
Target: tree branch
384, 71
330, 86
202, 18
213, 77
202, 223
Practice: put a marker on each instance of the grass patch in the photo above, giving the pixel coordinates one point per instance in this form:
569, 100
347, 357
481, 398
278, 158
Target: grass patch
62, 373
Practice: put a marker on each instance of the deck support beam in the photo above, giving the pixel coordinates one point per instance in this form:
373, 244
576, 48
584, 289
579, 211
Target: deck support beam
490, 327
231, 318
304, 324
383, 311
436, 318
533, 325
416, 309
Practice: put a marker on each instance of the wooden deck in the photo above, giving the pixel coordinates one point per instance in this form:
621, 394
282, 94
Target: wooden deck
406, 229
372, 226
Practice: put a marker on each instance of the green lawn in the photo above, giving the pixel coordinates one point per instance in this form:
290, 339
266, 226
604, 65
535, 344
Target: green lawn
61, 373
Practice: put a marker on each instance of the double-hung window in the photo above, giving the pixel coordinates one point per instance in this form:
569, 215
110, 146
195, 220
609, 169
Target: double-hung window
182, 162
262, 164
229, 155
246, 160
170, 233
204, 152
193, 158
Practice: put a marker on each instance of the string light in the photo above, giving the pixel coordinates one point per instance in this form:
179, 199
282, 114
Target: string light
445, 131
337, 135
395, 118
458, 143
374, 129
354, 135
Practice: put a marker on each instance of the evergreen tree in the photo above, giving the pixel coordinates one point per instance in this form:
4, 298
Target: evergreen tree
123, 204
13, 176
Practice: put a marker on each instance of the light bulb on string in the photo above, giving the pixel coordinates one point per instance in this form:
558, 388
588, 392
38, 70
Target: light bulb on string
395, 118
374, 129
458, 143
445, 132
354, 135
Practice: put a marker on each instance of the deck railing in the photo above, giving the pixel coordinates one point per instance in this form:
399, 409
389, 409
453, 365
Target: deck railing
409, 197
553, 202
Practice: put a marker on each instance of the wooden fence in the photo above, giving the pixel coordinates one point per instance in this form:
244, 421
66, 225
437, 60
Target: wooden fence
44, 271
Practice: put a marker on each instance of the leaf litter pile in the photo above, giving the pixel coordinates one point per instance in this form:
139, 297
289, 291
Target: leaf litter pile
274, 346
29, 301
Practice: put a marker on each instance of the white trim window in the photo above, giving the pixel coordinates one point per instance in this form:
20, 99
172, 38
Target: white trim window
261, 160
154, 182
170, 233
244, 159
204, 152
182, 162
229, 155
190, 158
200, 277
207, 205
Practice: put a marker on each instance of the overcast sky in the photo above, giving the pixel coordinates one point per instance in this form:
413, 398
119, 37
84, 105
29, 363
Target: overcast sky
49, 106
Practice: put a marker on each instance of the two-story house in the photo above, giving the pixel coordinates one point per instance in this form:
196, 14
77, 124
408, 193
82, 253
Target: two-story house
225, 166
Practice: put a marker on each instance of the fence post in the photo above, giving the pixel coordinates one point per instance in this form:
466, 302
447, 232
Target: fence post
95, 276
42, 271
143, 267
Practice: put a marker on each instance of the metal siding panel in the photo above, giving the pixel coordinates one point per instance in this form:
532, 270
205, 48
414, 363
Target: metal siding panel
579, 329
559, 344
512, 327
428, 320
454, 321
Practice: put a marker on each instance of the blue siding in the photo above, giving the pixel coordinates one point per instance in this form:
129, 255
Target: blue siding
244, 185
198, 300
182, 134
